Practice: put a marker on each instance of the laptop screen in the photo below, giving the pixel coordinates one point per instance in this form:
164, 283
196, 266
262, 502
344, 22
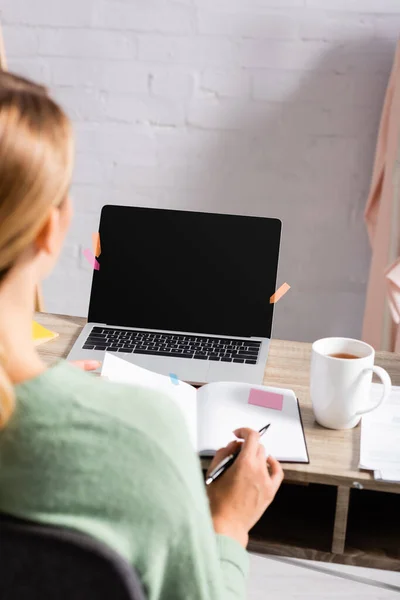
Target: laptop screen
186, 271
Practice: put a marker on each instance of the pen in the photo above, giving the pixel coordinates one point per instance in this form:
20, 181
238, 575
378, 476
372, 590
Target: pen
228, 461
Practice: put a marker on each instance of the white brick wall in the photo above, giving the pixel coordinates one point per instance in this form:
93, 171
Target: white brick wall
137, 15
266, 107
86, 43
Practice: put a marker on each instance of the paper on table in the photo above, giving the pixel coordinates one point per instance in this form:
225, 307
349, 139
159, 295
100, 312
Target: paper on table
392, 476
380, 436
184, 395
41, 335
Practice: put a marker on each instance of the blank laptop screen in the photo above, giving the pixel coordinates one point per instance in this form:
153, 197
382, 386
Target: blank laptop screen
186, 271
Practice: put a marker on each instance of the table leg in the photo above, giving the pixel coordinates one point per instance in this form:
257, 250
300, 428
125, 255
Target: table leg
340, 527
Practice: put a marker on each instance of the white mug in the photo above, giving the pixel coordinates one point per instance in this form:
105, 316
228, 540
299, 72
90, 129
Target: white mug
340, 387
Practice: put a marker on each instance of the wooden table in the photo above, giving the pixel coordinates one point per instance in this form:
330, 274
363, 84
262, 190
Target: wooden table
329, 510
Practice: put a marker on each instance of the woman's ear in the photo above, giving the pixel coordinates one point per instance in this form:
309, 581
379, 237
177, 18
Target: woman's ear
50, 238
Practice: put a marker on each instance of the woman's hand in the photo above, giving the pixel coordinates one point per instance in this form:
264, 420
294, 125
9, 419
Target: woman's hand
240, 496
86, 365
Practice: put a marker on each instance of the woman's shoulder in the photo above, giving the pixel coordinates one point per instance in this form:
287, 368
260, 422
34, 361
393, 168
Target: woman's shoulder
65, 388
128, 431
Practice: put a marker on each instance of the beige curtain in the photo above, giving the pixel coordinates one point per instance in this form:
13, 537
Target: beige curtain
381, 326
39, 305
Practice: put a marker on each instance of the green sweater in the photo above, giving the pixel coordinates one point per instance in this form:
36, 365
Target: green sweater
116, 462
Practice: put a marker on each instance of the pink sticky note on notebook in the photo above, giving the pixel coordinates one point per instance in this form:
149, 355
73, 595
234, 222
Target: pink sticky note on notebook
266, 399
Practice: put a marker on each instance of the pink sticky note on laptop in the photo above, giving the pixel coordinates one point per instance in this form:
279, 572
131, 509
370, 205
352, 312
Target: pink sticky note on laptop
91, 259
266, 399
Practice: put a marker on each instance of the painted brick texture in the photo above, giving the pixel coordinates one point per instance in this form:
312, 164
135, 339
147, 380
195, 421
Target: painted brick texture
264, 107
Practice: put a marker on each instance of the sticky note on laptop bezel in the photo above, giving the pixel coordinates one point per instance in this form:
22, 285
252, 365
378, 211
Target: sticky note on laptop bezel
96, 244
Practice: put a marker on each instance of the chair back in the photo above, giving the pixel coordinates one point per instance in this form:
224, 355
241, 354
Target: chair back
52, 563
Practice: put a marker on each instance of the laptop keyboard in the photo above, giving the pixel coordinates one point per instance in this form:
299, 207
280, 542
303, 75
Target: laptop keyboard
177, 345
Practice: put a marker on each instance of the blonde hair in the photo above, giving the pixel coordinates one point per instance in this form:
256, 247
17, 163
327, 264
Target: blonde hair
36, 158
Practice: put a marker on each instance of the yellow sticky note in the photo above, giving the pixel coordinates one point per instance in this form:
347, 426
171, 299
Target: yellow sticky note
96, 244
41, 335
279, 293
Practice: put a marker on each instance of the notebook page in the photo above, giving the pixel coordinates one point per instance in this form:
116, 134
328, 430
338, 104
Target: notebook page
223, 407
183, 394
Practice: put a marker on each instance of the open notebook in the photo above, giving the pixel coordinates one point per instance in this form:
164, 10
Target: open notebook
213, 411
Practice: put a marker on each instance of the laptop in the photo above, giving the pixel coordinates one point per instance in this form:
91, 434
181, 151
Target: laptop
183, 293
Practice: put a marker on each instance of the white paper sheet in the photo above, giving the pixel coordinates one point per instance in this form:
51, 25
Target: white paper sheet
380, 437
185, 396
392, 476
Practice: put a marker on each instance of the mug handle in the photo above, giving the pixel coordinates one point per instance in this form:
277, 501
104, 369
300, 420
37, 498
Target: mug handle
387, 388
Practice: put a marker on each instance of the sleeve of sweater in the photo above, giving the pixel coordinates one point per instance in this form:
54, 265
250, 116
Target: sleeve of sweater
202, 565
197, 564
234, 563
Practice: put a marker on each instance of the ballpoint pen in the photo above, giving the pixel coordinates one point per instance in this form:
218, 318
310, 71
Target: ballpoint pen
228, 461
